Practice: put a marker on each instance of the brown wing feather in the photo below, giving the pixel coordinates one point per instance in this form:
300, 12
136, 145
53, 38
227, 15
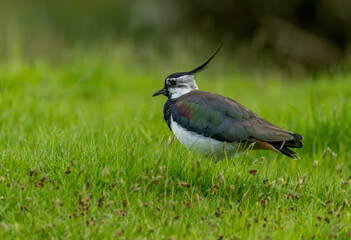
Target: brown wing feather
224, 119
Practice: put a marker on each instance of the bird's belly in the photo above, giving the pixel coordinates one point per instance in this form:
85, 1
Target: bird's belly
205, 145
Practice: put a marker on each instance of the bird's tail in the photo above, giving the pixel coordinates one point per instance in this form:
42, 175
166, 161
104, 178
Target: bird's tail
284, 146
287, 152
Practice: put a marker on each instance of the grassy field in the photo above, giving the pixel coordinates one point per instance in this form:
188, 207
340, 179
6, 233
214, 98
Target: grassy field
85, 153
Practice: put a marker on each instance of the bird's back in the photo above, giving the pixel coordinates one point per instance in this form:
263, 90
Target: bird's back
223, 119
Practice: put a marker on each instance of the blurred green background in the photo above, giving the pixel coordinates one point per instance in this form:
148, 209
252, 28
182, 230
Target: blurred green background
84, 149
296, 36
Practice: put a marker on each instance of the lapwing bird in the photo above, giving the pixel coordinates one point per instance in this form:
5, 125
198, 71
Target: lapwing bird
216, 125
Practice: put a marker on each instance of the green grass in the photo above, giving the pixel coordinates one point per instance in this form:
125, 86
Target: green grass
84, 154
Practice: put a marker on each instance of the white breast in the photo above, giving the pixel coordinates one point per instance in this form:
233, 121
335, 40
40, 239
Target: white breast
205, 145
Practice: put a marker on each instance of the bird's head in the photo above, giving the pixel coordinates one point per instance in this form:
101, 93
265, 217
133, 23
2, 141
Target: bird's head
178, 84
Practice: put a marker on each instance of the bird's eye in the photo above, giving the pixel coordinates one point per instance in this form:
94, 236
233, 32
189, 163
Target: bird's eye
173, 82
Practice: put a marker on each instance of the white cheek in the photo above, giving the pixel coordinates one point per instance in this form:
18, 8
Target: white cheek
177, 92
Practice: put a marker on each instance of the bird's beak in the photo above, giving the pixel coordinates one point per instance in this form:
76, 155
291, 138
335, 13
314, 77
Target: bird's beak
162, 91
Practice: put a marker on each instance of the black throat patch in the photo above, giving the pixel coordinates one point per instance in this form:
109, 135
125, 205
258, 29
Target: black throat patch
167, 110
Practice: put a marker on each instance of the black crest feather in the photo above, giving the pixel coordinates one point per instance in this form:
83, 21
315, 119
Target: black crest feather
198, 69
